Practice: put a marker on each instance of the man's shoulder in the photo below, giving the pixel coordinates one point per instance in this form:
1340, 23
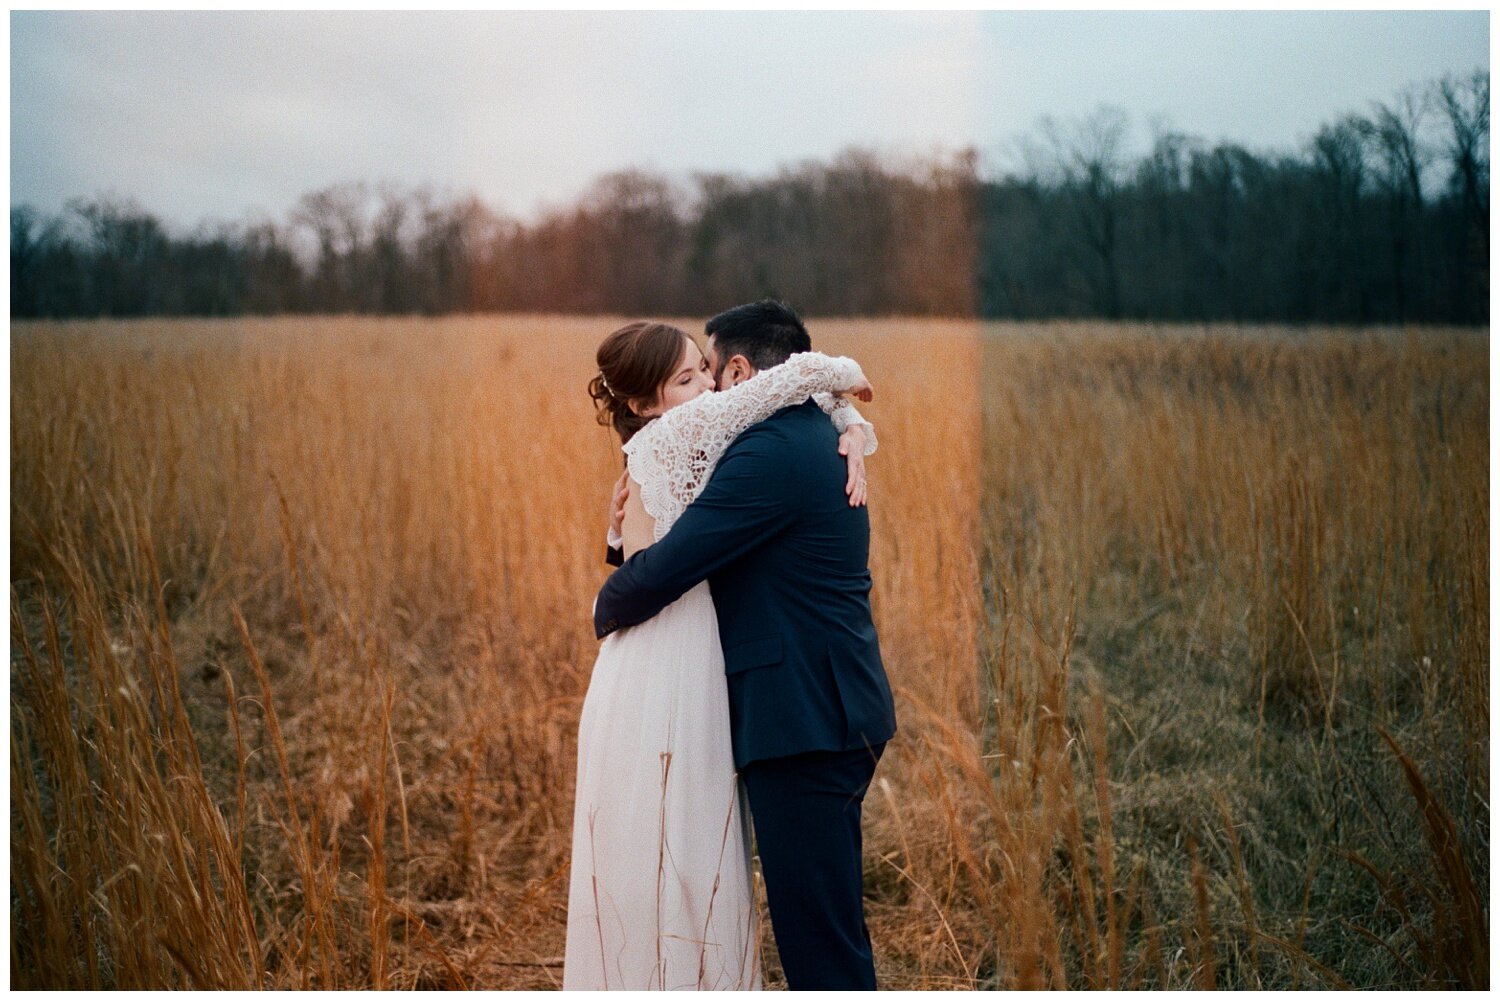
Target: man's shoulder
787, 426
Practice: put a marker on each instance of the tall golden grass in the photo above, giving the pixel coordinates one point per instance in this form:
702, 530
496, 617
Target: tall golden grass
1248, 550
301, 633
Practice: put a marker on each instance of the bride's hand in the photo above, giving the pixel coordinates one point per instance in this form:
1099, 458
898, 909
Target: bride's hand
852, 448
861, 391
617, 503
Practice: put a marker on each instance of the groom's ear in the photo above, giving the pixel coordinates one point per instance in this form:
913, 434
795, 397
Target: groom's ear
737, 370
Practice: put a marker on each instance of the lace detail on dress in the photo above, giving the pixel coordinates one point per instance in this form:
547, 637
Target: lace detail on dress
672, 457
845, 416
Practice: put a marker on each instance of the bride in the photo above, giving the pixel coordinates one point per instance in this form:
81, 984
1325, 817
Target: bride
660, 895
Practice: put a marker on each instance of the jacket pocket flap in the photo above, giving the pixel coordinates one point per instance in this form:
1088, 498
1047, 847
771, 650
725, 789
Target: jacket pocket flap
755, 653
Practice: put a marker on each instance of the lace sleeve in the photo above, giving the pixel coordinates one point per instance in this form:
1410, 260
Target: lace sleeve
671, 458
845, 416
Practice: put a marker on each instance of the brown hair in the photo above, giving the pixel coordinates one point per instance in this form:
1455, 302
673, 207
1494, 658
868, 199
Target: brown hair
634, 363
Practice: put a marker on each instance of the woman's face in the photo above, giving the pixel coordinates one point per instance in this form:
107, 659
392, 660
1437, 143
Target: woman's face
690, 379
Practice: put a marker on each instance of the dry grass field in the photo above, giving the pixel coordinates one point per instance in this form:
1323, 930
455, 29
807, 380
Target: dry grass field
1263, 555
1188, 631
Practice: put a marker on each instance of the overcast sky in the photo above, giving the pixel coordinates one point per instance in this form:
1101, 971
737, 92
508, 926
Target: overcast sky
223, 115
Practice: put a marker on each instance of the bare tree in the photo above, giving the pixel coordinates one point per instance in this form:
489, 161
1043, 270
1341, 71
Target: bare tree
936, 208
273, 276
451, 256
1340, 173
26, 238
1465, 106
1394, 135
633, 225
336, 218
390, 287
129, 244
1089, 156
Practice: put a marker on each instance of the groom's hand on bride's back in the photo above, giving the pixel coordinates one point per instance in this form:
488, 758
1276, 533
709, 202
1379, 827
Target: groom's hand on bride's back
615, 553
617, 503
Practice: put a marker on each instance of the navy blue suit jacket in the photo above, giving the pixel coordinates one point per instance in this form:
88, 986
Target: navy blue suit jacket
787, 560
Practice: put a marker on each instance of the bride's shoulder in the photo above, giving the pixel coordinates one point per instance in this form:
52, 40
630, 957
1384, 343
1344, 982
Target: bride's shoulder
682, 422
640, 442
656, 441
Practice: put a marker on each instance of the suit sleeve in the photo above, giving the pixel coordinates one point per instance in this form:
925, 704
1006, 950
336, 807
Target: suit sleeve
741, 506
614, 556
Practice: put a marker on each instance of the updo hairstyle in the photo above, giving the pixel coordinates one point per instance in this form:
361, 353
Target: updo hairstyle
634, 363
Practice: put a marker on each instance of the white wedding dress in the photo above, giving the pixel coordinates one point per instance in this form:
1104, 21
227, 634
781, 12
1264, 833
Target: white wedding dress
660, 894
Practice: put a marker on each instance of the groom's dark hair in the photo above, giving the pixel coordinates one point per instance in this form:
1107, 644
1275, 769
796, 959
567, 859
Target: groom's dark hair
767, 333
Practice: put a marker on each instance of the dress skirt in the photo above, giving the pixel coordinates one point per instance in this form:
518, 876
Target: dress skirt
660, 894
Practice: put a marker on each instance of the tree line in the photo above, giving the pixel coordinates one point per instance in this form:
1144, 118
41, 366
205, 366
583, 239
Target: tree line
1380, 217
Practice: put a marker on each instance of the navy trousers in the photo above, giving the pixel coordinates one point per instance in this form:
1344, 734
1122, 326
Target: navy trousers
806, 809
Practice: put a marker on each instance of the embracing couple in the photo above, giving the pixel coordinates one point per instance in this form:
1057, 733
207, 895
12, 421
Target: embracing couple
739, 675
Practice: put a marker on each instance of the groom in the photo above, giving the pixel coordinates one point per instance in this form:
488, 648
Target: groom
810, 708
